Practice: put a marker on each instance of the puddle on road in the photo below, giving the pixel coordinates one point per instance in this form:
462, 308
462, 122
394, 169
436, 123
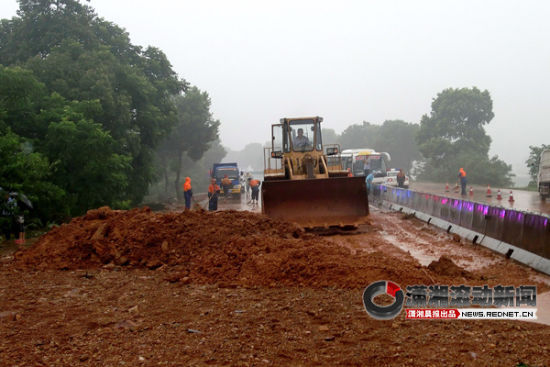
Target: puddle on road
543, 299
233, 204
426, 252
419, 254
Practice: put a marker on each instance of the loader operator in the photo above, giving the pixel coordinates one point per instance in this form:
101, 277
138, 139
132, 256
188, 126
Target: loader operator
300, 141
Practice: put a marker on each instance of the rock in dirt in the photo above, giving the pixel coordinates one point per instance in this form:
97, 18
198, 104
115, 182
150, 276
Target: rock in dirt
446, 266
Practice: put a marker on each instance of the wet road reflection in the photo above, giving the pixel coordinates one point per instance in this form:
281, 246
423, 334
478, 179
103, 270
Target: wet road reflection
523, 200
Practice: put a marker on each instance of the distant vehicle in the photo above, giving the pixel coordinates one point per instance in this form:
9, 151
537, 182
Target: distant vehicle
219, 170
391, 178
543, 178
363, 161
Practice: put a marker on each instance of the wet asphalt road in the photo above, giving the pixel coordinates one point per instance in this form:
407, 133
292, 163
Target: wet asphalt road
523, 200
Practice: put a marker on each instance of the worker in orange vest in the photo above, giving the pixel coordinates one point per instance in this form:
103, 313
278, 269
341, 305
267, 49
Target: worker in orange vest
463, 181
349, 173
187, 193
226, 184
213, 193
255, 187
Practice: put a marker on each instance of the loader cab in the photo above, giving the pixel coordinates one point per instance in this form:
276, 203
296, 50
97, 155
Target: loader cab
297, 135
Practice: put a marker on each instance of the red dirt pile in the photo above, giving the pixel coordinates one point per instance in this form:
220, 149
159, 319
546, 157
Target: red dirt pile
446, 266
226, 247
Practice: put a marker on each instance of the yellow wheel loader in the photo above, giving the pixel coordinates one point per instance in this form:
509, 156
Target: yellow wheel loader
300, 186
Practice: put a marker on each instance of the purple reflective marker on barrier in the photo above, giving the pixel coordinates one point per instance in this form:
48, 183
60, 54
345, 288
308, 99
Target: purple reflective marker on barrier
502, 213
444, 201
485, 209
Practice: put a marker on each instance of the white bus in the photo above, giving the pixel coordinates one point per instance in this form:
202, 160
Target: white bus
363, 161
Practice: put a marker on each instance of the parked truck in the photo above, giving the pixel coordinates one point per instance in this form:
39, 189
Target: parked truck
219, 170
543, 178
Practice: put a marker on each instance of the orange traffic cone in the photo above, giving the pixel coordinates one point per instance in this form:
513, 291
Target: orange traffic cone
489, 194
511, 198
471, 191
499, 195
447, 187
456, 188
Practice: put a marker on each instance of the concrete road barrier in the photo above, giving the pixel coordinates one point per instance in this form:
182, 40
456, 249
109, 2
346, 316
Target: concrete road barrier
528, 233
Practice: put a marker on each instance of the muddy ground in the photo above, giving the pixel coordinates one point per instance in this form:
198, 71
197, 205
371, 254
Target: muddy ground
235, 288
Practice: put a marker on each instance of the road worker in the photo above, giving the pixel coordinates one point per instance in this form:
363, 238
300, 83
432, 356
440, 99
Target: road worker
463, 181
226, 184
213, 193
255, 187
187, 193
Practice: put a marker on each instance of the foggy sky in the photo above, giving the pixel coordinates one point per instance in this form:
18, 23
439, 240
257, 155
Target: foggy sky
350, 61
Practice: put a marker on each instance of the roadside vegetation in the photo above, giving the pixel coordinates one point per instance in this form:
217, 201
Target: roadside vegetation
86, 117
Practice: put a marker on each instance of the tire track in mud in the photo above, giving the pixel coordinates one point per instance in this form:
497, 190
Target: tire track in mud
427, 244
412, 240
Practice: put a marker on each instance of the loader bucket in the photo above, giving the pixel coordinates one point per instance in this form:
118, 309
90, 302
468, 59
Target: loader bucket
321, 202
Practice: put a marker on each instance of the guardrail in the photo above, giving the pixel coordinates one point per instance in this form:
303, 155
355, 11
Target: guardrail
528, 231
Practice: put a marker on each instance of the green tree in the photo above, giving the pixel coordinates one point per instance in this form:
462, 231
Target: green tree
28, 172
533, 162
397, 138
22, 98
82, 158
453, 136
359, 136
191, 137
86, 165
126, 89
393, 136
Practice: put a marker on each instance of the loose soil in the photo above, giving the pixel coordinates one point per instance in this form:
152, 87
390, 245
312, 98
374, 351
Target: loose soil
236, 288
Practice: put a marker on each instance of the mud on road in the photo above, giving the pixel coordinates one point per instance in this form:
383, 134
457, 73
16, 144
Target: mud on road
236, 288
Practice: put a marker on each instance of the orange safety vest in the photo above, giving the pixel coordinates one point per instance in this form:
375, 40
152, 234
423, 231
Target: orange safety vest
213, 188
254, 183
187, 184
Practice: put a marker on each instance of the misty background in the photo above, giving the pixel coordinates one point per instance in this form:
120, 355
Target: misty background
351, 61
